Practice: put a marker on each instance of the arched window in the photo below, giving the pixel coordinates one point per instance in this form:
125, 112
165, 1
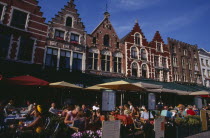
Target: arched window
143, 54
144, 71
106, 40
137, 39
134, 53
69, 21
134, 69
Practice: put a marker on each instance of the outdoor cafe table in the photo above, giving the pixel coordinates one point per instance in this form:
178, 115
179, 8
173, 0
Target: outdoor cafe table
14, 119
127, 120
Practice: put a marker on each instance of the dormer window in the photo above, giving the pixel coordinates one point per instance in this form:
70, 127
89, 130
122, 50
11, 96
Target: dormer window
159, 47
19, 19
69, 21
74, 38
106, 40
59, 35
137, 39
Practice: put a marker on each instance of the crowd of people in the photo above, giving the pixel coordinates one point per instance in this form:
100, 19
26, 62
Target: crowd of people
84, 117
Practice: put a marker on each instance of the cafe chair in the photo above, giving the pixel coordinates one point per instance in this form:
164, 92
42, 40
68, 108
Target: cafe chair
47, 122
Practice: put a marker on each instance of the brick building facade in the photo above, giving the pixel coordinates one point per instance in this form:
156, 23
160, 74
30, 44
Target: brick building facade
145, 59
105, 53
185, 62
65, 50
22, 31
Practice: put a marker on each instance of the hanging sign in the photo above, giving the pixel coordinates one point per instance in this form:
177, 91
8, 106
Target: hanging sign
151, 101
108, 100
198, 102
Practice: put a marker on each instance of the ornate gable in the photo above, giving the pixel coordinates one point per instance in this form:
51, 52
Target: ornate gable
130, 36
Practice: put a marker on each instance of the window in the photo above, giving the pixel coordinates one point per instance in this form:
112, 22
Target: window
164, 62
118, 45
69, 21
59, 34
207, 63
134, 69
143, 54
105, 63
196, 67
165, 76
174, 61
156, 60
185, 52
173, 49
137, 39
51, 57
93, 61
74, 38
19, 19
65, 60
144, 71
183, 62
94, 40
117, 64
77, 62
159, 47
190, 66
202, 62
209, 73
25, 49
204, 72
106, 40
4, 45
134, 53
1, 11
157, 75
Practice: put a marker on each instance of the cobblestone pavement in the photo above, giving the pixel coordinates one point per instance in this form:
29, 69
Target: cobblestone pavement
203, 135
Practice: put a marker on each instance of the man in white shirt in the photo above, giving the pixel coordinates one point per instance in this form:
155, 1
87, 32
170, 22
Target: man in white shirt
52, 109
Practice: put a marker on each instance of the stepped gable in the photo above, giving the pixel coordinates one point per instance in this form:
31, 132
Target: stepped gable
129, 36
68, 10
157, 37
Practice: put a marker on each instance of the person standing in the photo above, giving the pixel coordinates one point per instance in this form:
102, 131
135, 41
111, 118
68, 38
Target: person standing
53, 109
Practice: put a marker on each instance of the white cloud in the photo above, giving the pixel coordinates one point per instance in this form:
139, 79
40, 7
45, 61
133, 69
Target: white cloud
128, 5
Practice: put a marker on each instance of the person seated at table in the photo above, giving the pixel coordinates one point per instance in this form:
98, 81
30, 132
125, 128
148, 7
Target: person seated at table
38, 124
165, 112
127, 111
146, 115
96, 120
70, 116
196, 110
135, 113
53, 109
80, 121
190, 110
66, 109
28, 109
130, 105
86, 111
9, 108
181, 111
95, 106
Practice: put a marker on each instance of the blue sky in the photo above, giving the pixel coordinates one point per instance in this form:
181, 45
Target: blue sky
184, 20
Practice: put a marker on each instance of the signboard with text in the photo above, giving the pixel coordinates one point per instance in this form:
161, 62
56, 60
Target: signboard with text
111, 129
108, 100
159, 127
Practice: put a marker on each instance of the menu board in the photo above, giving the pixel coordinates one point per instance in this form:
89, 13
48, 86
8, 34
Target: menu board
203, 120
159, 127
198, 102
108, 100
111, 129
151, 101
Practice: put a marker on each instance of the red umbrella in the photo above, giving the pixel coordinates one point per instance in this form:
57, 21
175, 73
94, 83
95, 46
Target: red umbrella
26, 80
205, 96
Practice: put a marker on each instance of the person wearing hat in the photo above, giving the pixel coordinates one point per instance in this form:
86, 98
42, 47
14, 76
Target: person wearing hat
38, 123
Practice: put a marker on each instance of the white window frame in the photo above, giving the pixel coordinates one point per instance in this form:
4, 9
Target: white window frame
136, 50
161, 47
27, 18
3, 12
135, 39
118, 64
59, 28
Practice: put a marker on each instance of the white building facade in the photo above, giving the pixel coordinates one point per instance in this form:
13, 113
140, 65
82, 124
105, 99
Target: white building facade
204, 57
